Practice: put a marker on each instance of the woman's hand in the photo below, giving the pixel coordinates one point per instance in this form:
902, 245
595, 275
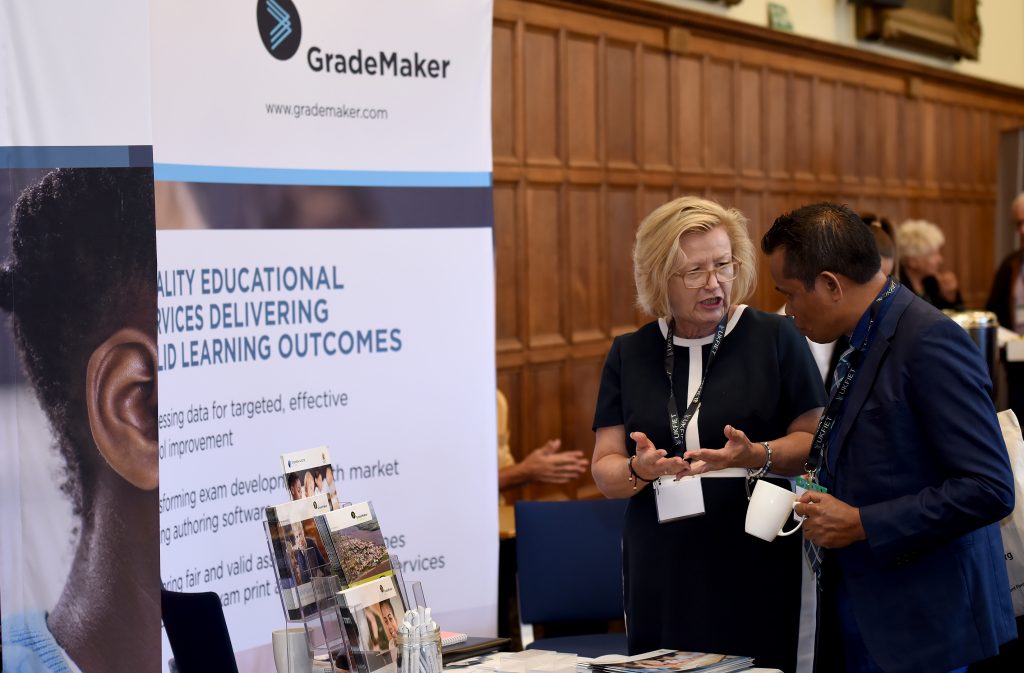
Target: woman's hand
651, 462
949, 286
737, 452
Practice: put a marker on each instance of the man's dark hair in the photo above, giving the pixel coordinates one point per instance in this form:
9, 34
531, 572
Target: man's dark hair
824, 237
82, 266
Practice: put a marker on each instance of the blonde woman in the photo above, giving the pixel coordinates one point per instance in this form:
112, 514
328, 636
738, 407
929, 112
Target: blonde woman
700, 583
920, 244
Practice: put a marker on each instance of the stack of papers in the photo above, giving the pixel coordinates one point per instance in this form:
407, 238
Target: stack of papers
667, 661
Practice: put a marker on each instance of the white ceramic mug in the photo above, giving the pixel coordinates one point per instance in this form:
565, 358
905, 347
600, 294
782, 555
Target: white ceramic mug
768, 510
291, 655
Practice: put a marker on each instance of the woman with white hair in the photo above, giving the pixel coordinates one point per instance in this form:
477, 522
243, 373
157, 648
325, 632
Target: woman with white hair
920, 245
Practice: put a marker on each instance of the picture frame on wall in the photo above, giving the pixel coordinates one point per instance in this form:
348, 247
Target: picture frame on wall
944, 28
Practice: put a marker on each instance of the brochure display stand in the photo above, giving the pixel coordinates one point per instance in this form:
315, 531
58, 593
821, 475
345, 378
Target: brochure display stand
306, 603
346, 628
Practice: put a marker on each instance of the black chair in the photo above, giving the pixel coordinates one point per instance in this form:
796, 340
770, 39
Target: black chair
197, 632
569, 557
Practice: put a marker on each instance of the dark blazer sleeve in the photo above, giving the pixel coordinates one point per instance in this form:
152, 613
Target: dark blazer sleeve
952, 417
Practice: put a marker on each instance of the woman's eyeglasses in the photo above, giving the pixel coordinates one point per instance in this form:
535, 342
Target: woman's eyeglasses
699, 278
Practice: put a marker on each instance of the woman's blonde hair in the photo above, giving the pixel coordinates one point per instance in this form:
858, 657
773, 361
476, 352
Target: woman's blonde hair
917, 238
657, 241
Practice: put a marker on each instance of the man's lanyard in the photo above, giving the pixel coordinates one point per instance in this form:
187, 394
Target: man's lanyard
678, 424
819, 446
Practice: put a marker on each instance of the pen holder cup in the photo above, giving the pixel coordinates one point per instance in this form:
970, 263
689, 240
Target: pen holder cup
420, 652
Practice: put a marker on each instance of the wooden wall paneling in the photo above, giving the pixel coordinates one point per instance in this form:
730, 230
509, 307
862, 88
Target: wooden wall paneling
503, 93
984, 249
983, 138
583, 110
825, 125
798, 133
689, 103
963, 156
867, 203
952, 225
586, 302
892, 208
850, 148
720, 96
586, 381
911, 149
544, 256
506, 267
867, 116
622, 222
928, 146
977, 241
751, 204
620, 104
888, 158
776, 94
750, 123
653, 197
724, 197
540, 95
640, 317
543, 419
944, 152
656, 102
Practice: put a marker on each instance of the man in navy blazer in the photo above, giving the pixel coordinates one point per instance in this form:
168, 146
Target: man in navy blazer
913, 578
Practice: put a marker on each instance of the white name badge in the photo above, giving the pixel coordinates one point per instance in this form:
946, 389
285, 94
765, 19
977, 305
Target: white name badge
678, 499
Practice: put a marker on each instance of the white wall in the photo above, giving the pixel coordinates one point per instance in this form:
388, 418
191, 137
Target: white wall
1001, 57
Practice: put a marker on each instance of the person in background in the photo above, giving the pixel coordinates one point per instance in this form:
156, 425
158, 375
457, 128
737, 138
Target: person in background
906, 537
701, 583
544, 464
920, 245
885, 239
1006, 298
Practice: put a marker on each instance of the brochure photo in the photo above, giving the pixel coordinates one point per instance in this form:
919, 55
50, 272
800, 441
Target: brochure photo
360, 554
372, 612
299, 550
308, 473
671, 662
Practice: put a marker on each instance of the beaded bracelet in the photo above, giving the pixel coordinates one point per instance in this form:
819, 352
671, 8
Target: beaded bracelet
633, 476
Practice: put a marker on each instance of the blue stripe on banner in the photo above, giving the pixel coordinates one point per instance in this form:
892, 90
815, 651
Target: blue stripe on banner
80, 156
316, 177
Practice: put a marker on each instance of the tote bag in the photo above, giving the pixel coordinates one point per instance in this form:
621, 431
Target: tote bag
1012, 527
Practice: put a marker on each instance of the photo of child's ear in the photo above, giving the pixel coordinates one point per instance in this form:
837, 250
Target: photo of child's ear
78, 284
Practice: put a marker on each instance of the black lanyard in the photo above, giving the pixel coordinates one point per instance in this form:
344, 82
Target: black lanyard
678, 425
819, 446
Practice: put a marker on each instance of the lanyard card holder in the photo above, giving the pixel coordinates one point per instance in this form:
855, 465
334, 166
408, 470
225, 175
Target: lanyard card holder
678, 499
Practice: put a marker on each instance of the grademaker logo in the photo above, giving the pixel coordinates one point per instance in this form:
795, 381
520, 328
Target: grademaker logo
279, 26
